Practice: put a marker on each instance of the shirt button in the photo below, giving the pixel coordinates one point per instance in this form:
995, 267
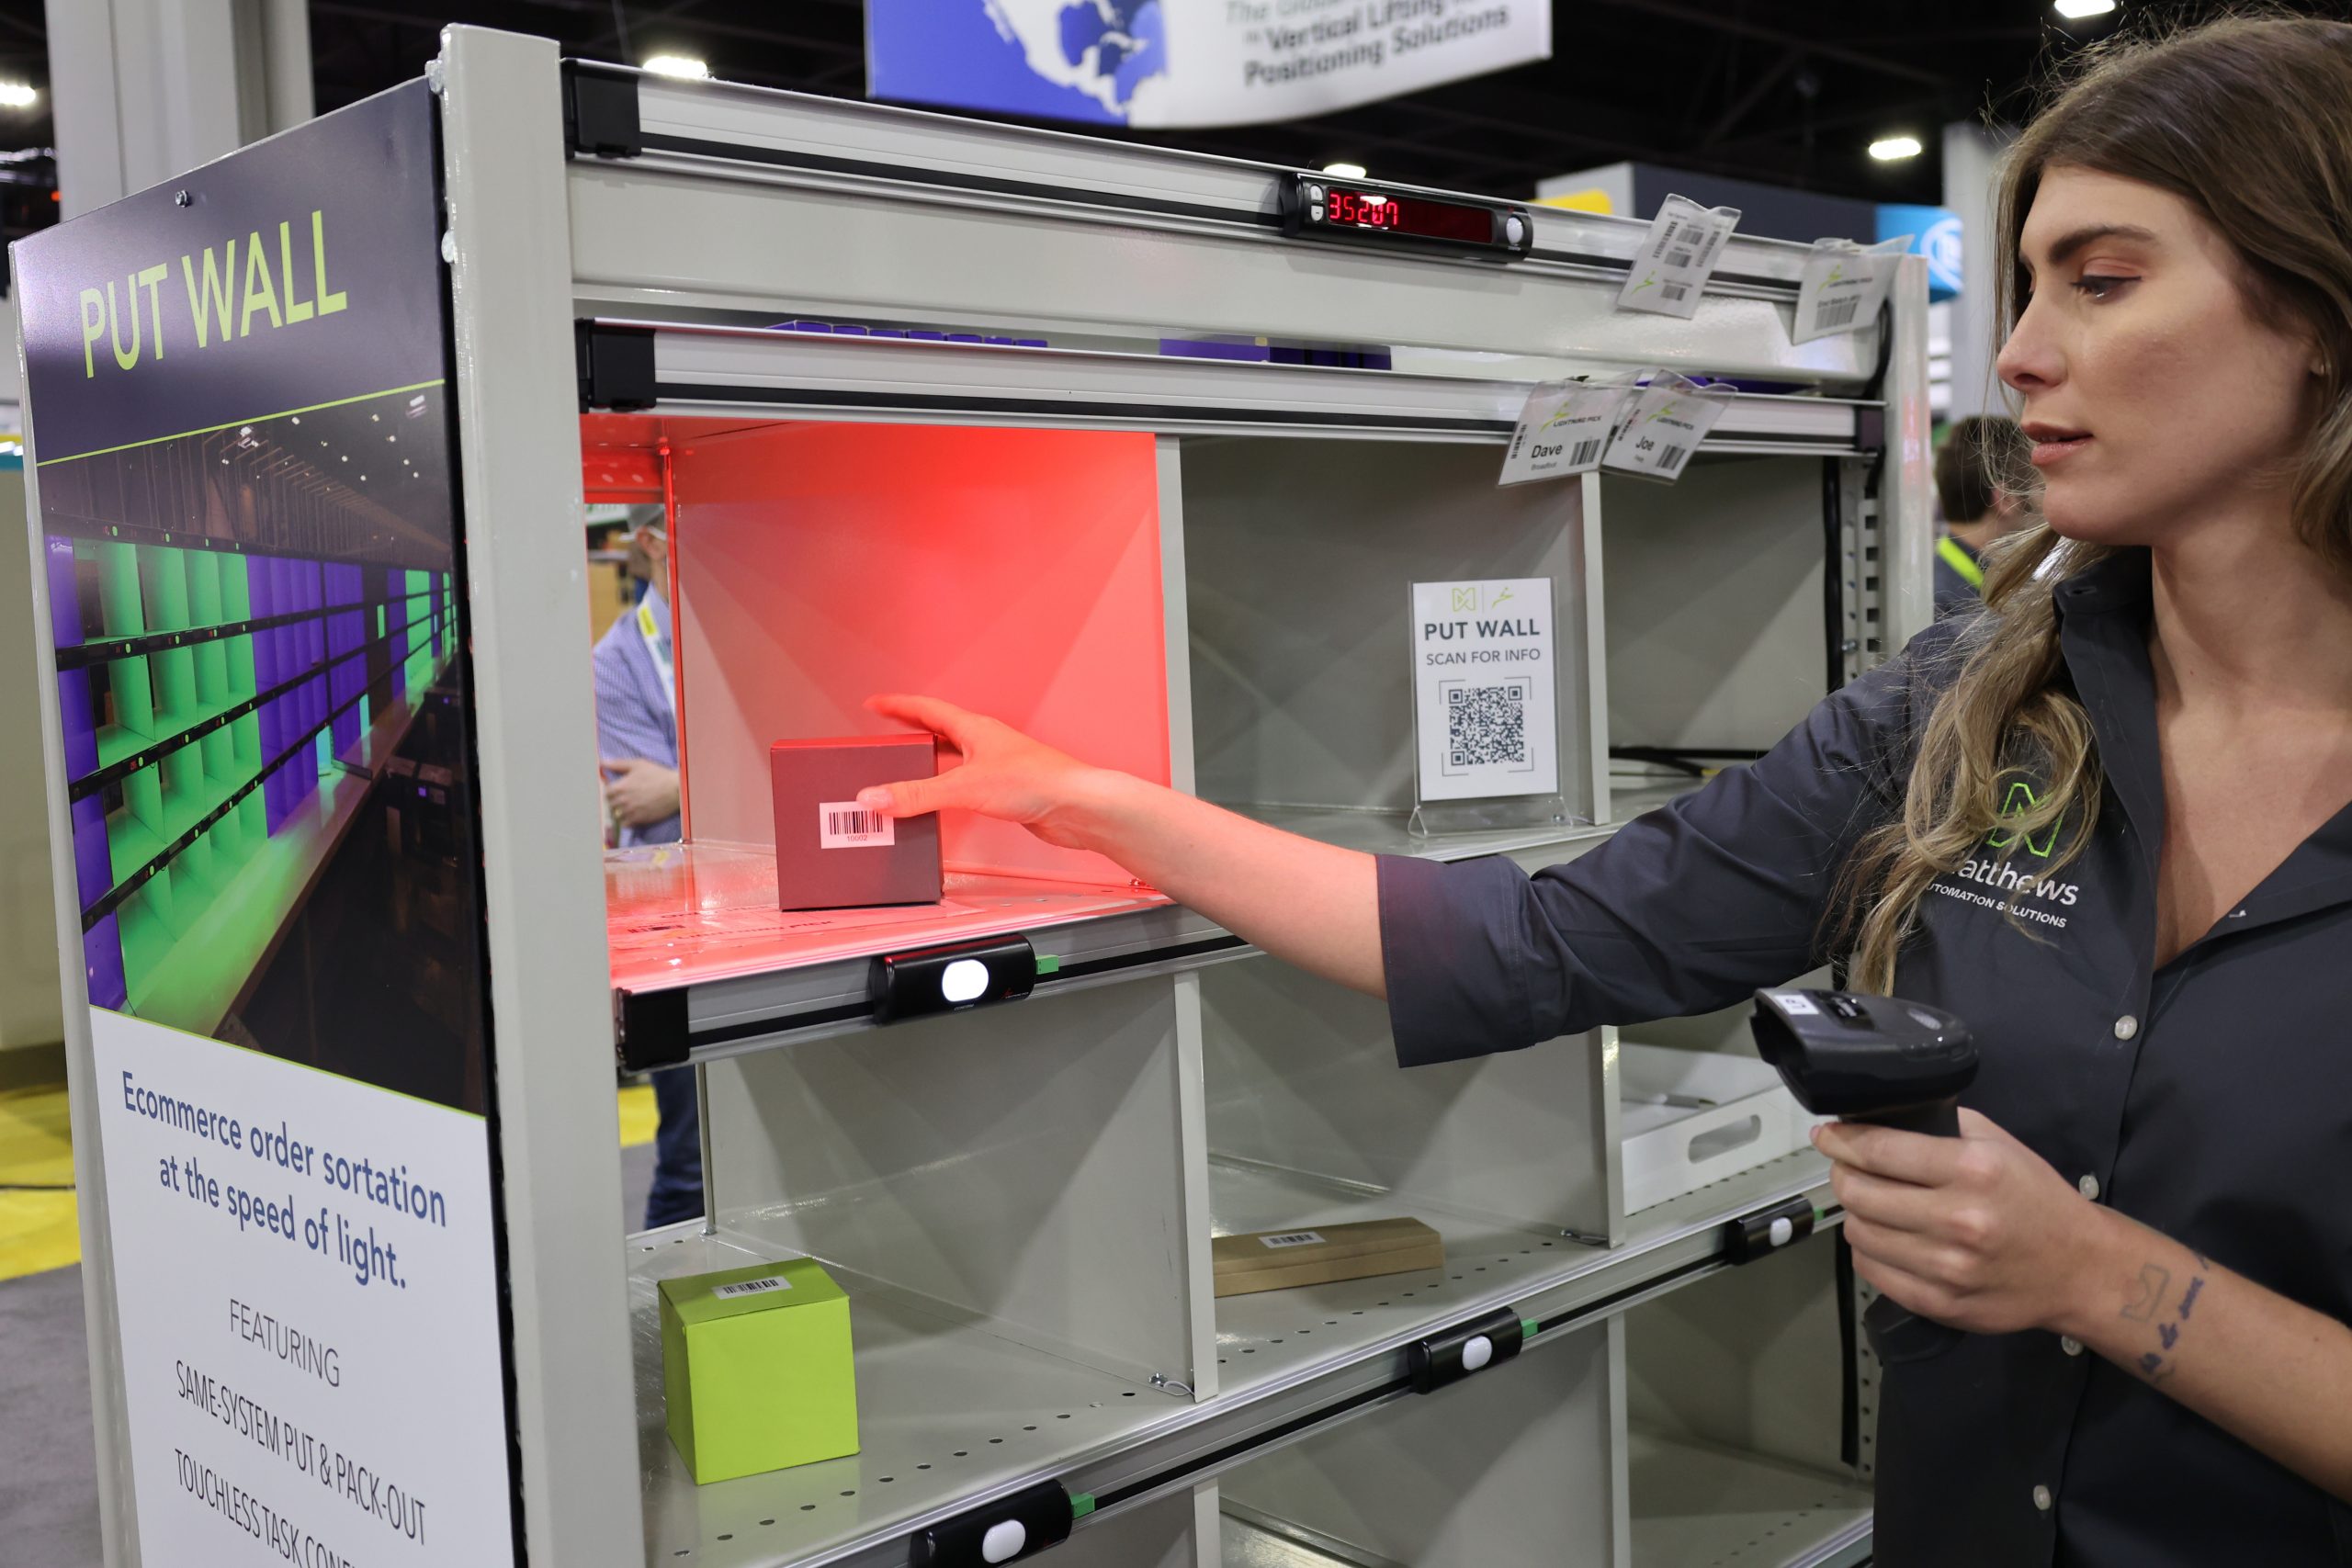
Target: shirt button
2041, 1498
2126, 1027
2068, 1343
2088, 1187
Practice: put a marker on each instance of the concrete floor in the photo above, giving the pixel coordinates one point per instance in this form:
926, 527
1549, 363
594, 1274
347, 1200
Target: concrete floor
49, 1500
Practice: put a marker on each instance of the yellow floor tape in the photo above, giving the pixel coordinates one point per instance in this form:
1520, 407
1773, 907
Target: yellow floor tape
640, 1119
39, 1229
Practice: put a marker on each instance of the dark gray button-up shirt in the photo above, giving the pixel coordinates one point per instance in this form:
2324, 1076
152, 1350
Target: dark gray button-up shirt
2211, 1099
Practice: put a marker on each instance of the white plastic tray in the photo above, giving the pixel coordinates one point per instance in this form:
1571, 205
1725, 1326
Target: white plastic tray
1694, 1117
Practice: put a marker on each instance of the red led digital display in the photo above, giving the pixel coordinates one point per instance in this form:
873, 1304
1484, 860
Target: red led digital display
1411, 215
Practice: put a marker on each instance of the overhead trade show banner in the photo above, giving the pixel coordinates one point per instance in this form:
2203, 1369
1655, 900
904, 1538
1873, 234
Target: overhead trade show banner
1177, 62
239, 403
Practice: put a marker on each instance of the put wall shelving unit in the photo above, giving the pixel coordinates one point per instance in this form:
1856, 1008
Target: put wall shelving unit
1195, 568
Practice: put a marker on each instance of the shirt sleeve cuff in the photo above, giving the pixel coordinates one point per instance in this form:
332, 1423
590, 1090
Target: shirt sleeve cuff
1450, 995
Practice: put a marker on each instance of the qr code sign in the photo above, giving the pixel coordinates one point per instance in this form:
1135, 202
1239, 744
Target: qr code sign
1486, 726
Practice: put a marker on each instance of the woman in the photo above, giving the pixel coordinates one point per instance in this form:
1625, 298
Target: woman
2107, 822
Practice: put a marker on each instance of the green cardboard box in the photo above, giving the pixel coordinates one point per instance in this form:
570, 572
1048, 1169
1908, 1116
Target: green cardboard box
756, 1368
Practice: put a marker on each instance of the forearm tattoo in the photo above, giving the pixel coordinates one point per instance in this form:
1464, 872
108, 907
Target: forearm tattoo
2155, 1303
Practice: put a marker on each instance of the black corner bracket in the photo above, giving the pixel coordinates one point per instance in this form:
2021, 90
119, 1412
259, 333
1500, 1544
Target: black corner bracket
649, 1029
600, 110
1870, 433
1468, 1347
1004, 1531
615, 366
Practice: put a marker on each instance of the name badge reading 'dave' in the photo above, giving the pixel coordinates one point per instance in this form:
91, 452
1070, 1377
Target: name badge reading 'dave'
1564, 429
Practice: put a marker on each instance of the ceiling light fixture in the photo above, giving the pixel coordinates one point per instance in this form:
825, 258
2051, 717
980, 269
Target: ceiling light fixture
2075, 10
1345, 171
684, 65
1888, 149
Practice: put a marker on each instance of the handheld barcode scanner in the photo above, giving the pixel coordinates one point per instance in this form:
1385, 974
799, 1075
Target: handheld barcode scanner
1872, 1059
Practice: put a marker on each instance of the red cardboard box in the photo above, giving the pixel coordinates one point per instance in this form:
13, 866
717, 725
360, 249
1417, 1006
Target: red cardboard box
832, 855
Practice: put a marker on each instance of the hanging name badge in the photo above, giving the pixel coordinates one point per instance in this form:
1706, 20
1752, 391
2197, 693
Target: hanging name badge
1564, 429
1667, 423
1485, 710
1844, 285
1672, 267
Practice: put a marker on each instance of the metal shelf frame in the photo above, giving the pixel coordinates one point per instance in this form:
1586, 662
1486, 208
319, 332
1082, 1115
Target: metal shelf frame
681, 232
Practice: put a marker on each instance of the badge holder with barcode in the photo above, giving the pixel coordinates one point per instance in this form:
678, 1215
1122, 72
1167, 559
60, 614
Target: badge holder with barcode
1486, 707
1844, 285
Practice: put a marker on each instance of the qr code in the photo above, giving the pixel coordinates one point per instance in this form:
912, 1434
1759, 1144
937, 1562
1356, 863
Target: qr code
1486, 726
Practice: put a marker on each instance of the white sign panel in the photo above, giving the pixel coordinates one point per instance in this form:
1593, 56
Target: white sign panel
1189, 61
1483, 689
305, 1282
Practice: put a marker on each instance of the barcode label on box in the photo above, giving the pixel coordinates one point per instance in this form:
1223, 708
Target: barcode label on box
1294, 1238
1587, 454
751, 1288
845, 825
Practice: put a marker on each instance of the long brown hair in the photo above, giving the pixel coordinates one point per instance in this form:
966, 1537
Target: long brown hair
2249, 121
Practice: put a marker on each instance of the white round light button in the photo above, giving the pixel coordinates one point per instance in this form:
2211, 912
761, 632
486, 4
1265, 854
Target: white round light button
1783, 1230
1515, 230
1003, 1542
963, 981
1475, 1354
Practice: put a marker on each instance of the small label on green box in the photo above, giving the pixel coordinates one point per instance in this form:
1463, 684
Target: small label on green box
757, 1369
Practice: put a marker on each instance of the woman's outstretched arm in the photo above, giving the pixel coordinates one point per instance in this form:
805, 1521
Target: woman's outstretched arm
1307, 903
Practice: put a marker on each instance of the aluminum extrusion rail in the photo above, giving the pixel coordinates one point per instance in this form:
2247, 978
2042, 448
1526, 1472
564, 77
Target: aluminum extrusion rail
687, 369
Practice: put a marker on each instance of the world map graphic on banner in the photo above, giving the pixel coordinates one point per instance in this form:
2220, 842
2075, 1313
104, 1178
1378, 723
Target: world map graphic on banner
1172, 62
1105, 49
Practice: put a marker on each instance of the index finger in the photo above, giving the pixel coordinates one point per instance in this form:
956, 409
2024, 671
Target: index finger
927, 713
1919, 1158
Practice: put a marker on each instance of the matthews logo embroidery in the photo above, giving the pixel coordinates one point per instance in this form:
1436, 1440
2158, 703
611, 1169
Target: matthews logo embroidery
2000, 872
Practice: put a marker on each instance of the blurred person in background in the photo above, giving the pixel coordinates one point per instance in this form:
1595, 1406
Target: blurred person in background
637, 747
1973, 469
